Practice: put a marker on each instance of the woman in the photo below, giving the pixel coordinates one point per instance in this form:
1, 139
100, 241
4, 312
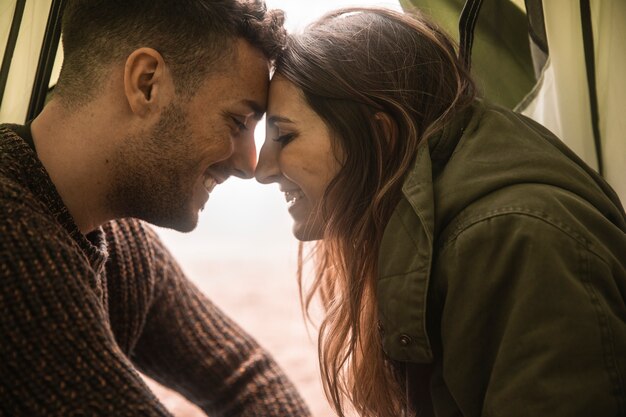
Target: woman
468, 263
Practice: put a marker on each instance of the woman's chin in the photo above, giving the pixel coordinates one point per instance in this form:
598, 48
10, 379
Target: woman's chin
306, 232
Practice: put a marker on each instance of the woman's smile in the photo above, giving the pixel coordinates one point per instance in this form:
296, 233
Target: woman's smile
297, 154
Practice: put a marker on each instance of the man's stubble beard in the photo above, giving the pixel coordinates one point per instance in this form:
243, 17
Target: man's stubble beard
153, 175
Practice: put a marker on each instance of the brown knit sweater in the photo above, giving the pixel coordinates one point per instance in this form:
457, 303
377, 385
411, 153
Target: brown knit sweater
79, 314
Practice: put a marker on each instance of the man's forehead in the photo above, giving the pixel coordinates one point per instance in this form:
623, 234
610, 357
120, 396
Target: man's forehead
252, 79
240, 85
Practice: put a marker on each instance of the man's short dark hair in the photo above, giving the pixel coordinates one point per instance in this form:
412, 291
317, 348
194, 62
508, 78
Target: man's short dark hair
193, 36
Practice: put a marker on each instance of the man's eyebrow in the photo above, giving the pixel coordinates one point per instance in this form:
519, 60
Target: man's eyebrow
258, 109
275, 119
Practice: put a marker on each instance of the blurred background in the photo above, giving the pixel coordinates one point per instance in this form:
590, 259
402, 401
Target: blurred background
244, 257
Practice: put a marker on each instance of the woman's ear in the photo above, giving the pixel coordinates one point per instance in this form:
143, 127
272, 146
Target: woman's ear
144, 78
387, 126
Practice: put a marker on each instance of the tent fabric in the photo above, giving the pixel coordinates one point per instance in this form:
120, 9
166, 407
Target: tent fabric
560, 100
560, 97
502, 65
24, 64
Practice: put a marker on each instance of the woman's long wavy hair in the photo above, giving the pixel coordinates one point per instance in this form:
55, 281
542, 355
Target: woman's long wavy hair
382, 81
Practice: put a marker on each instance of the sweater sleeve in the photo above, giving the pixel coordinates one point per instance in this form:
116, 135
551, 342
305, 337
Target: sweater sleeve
58, 356
189, 345
532, 324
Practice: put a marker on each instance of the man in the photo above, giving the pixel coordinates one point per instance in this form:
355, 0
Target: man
156, 104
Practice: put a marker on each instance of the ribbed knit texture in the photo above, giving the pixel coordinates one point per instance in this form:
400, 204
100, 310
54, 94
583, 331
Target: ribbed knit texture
79, 314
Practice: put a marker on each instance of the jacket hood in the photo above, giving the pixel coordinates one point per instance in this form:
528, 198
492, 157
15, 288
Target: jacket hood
499, 148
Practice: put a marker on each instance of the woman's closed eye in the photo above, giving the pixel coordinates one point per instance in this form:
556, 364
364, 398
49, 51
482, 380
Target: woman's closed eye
283, 140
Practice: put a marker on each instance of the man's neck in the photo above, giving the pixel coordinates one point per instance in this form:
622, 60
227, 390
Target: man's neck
72, 148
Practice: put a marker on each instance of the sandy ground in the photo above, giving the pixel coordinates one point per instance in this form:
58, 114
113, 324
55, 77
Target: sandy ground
243, 257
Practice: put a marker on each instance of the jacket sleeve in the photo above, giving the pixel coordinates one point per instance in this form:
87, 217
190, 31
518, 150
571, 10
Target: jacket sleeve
58, 356
532, 322
190, 345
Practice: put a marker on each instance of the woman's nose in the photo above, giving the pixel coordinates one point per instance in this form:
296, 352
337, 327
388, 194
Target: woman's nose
267, 170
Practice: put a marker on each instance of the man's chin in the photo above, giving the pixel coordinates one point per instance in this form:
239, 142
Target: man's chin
183, 223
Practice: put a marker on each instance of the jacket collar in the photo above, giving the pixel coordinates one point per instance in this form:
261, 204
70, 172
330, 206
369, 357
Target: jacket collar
406, 251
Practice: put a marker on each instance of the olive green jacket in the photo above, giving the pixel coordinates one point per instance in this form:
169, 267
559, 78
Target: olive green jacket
502, 276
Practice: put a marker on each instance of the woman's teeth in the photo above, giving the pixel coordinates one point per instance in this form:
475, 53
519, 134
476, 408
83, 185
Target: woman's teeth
292, 196
209, 184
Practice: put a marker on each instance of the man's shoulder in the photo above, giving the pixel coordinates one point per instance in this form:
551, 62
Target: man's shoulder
10, 138
13, 188
17, 200
7, 129
30, 235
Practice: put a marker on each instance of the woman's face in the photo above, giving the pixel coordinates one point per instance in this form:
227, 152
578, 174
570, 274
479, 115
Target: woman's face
298, 156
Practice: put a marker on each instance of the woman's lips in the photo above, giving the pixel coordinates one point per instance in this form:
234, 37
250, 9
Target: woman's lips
292, 197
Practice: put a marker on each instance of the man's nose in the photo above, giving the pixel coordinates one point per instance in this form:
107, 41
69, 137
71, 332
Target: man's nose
243, 159
267, 170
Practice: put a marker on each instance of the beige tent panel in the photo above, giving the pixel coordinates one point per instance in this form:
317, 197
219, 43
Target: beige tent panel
560, 100
24, 64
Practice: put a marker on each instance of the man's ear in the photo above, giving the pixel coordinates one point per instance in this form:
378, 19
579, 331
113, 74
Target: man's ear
144, 79
387, 127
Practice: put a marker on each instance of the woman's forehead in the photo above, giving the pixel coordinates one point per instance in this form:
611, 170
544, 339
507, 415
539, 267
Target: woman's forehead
286, 101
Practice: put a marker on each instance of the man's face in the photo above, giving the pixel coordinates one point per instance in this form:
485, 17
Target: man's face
167, 173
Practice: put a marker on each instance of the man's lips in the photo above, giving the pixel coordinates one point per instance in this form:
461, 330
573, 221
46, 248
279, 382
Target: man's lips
211, 180
209, 183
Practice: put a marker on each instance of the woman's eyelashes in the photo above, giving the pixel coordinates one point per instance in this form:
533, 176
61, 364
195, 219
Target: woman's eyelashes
285, 139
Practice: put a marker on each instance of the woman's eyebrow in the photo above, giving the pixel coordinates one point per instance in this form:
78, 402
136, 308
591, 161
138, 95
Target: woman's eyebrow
275, 119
